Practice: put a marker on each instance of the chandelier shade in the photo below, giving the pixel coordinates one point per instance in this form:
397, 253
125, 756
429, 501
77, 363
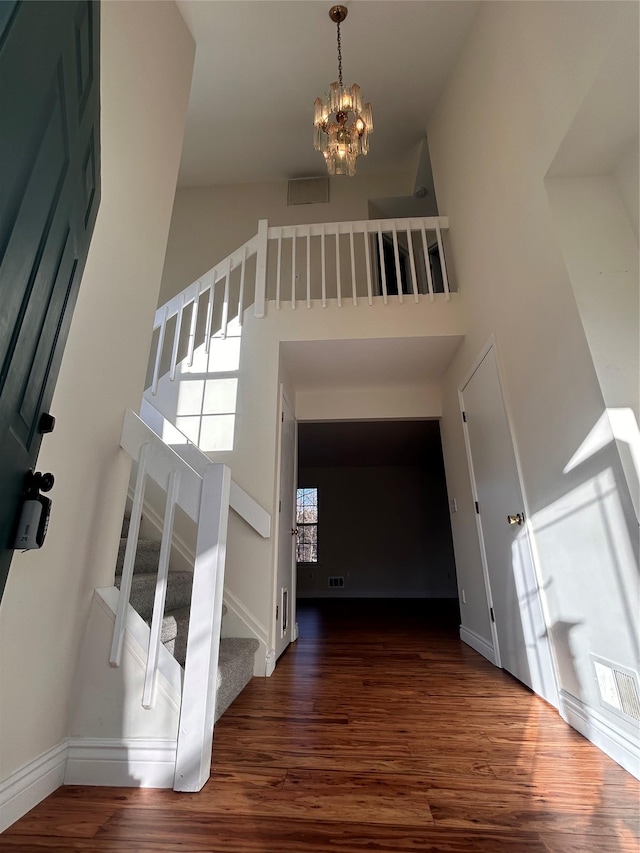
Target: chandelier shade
342, 124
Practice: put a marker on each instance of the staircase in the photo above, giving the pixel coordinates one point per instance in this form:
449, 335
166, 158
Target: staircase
236, 655
360, 263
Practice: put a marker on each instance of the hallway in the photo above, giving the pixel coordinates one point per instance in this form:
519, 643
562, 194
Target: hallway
378, 731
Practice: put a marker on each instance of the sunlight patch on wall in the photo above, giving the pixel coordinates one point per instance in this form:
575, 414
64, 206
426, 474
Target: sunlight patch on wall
591, 583
223, 355
621, 425
205, 409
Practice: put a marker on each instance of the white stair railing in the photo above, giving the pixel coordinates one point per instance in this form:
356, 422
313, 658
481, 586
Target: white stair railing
205, 498
356, 262
240, 501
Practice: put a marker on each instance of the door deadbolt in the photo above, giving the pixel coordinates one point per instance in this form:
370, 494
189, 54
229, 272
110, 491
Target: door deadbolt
294, 531
518, 518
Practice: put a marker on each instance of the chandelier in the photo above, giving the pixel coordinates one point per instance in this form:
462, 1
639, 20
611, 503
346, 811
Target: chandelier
341, 124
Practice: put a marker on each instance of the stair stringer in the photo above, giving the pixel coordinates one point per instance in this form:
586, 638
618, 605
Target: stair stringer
113, 740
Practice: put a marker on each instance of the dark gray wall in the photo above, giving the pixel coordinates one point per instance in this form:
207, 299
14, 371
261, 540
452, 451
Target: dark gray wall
386, 528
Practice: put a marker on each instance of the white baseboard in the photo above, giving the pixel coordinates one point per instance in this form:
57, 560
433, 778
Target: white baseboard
479, 644
132, 763
29, 785
270, 663
602, 732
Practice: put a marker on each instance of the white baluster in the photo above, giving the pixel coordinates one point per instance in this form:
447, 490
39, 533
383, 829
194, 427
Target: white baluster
159, 348
225, 301
192, 331
396, 254
425, 247
383, 274
176, 341
353, 265
443, 266
367, 257
260, 297
412, 261
157, 618
129, 559
241, 295
207, 328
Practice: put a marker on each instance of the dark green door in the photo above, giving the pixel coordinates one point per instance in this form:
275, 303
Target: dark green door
49, 195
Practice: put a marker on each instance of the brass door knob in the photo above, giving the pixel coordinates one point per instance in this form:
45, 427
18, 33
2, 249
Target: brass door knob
518, 518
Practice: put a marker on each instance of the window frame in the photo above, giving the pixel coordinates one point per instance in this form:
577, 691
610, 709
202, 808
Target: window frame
305, 524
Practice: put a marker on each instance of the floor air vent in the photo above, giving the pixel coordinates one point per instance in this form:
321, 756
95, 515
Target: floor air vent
336, 582
618, 688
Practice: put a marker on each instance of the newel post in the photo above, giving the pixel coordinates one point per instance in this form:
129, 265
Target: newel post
261, 269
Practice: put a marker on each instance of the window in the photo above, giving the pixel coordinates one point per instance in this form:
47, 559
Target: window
307, 524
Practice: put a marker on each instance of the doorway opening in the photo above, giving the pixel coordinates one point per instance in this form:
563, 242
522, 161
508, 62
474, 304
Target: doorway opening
381, 513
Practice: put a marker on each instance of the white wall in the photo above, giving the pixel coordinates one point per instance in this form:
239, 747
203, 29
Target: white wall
600, 250
253, 459
627, 178
398, 401
525, 71
601, 254
147, 59
384, 529
208, 223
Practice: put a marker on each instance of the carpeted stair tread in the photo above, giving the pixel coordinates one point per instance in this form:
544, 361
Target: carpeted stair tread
235, 669
236, 657
143, 589
147, 556
175, 630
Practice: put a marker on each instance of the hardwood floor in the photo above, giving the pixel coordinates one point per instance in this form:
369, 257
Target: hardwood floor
379, 731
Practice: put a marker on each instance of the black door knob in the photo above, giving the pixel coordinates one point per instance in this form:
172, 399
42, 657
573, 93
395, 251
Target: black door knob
46, 423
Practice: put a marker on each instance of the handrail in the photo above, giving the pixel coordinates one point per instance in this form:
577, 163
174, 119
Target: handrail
204, 496
240, 501
191, 296
353, 259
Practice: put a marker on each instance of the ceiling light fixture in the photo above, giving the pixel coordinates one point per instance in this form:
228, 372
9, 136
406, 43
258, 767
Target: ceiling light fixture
341, 124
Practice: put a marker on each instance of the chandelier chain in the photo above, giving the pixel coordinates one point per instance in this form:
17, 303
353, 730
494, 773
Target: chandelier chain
339, 57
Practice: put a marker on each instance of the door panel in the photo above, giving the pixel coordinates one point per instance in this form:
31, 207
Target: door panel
285, 592
522, 641
49, 195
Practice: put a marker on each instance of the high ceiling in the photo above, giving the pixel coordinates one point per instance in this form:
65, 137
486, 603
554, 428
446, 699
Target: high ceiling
261, 63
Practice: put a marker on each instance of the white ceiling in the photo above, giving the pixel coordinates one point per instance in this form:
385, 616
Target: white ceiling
261, 63
369, 363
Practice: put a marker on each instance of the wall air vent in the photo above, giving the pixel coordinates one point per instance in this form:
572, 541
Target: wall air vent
336, 582
618, 688
308, 191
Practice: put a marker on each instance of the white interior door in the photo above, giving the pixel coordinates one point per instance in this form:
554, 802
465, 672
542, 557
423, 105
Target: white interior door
285, 594
523, 646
